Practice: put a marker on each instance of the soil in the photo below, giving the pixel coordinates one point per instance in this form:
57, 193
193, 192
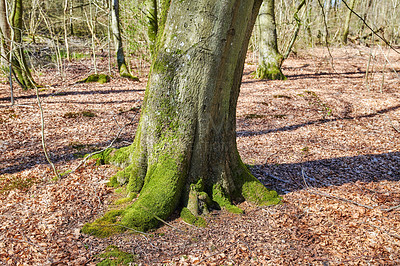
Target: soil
327, 139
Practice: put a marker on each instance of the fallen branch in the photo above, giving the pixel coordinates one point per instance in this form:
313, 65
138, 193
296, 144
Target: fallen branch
321, 193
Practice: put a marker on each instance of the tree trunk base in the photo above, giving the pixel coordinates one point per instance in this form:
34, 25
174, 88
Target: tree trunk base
271, 71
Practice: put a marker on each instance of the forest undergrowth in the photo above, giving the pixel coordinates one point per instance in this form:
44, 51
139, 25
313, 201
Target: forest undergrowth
327, 139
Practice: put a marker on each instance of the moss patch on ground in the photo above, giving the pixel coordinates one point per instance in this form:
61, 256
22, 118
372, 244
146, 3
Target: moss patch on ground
114, 256
100, 78
106, 225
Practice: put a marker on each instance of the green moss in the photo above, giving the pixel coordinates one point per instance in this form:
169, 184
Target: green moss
270, 71
222, 199
124, 72
114, 256
100, 78
159, 197
106, 225
129, 198
188, 217
252, 190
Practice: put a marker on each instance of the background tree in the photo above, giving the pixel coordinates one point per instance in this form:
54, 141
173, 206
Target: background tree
270, 60
116, 31
12, 43
184, 152
346, 27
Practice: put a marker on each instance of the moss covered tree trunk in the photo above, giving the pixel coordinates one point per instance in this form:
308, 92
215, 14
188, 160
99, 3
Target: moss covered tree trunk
122, 67
270, 60
184, 153
19, 64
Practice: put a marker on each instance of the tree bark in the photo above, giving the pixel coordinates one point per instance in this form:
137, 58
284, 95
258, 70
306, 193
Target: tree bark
270, 60
122, 67
184, 153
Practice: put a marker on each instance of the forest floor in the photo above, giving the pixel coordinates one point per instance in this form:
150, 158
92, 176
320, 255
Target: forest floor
326, 139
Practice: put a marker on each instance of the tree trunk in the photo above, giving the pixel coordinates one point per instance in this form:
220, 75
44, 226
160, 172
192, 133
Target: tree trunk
347, 22
19, 65
122, 67
270, 61
5, 34
184, 153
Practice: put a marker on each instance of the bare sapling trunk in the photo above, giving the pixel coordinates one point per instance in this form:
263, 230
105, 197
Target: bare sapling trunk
270, 60
122, 66
184, 156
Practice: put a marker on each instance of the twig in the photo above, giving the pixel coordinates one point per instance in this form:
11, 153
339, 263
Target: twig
326, 35
321, 193
42, 133
383, 231
220, 251
276, 178
390, 121
315, 191
387, 60
215, 253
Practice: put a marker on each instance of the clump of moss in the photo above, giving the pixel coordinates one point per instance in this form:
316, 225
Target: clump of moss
100, 78
188, 217
86, 113
256, 192
114, 256
11, 182
130, 76
220, 197
106, 225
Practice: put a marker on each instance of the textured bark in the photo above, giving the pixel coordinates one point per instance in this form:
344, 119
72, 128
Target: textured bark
122, 67
19, 65
187, 131
270, 60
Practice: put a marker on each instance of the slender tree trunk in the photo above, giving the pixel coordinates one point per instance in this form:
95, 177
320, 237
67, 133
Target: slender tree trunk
5, 34
184, 153
19, 65
347, 22
122, 67
270, 60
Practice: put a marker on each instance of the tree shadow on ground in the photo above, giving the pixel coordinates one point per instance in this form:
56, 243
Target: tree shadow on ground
287, 178
63, 154
246, 133
349, 74
69, 93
